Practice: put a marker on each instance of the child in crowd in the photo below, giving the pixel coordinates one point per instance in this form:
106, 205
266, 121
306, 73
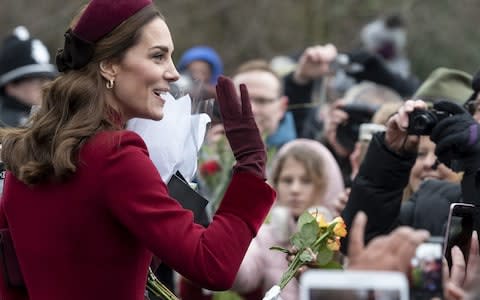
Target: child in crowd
305, 176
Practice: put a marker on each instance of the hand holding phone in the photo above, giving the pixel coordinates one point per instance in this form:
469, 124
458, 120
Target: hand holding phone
463, 276
459, 230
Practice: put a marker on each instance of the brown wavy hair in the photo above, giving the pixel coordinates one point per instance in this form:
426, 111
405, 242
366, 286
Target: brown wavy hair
73, 110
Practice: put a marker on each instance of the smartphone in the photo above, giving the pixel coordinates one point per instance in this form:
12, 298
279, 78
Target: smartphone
318, 284
426, 270
459, 230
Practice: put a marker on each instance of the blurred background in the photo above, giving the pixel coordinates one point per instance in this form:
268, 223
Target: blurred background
439, 32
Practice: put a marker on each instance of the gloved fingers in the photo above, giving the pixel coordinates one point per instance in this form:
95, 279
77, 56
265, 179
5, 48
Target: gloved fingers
245, 99
359, 56
445, 158
228, 99
221, 97
375, 63
449, 107
448, 144
449, 126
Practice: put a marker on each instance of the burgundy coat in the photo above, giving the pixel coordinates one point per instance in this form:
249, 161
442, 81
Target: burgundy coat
93, 236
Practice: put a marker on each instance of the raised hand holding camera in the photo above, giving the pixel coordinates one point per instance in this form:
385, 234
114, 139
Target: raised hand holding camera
314, 63
396, 136
422, 121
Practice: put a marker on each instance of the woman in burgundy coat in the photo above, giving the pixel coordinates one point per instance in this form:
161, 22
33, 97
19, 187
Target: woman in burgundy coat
85, 206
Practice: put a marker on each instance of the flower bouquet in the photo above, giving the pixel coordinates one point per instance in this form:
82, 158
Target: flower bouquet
314, 244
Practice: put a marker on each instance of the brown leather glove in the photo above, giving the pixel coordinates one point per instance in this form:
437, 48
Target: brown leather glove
240, 128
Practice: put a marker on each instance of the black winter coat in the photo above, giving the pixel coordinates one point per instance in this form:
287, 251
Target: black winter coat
378, 189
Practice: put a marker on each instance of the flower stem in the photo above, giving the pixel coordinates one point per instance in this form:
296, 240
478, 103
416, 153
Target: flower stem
320, 239
292, 269
156, 287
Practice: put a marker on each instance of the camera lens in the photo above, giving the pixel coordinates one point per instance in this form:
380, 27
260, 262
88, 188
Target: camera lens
421, 122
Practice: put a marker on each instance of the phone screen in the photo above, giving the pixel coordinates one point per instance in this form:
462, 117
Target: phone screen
459, 230
318, 284
353, 294
426, 271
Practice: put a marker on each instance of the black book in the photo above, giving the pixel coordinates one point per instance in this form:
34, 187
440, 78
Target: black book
180, 190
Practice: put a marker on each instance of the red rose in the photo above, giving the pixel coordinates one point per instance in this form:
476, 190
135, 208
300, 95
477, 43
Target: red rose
210, 167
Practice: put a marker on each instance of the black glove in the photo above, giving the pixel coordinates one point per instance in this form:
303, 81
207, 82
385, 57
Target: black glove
375, 70
457, 138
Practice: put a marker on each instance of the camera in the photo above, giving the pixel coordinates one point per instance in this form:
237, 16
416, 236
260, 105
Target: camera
422, 121
347, 134
343, 62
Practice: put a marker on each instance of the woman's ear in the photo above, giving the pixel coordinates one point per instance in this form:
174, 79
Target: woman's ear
108, 69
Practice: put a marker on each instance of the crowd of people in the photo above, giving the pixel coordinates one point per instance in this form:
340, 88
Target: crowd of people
84, 212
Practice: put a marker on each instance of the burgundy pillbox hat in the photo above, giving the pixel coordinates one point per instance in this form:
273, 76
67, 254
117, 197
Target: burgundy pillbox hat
99, 19
102, 16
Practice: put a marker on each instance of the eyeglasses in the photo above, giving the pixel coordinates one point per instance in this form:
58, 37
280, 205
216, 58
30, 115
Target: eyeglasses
263, 101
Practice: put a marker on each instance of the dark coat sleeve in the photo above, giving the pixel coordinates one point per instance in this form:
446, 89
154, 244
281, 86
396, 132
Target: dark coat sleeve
378, 188
429, 206
298, 94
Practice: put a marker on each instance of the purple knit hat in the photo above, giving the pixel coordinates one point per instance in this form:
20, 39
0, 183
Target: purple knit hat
99, 18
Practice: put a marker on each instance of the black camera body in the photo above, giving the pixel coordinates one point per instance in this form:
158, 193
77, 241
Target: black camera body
343, 62
347, 134
422, 121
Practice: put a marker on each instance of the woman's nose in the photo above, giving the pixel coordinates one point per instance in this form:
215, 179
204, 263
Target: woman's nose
172, 74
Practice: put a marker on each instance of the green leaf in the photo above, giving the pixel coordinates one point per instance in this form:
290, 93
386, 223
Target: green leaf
297, 240
281, 249
306, 257
324, 256
306, 217
332, 265
309, 233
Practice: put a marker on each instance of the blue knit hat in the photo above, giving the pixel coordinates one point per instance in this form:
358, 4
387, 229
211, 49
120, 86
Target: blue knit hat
203, 53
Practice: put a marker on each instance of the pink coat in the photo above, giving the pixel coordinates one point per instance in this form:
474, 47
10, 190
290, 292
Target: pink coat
263, 268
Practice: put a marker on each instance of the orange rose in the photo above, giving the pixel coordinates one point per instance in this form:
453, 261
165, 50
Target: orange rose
340, 228
322, 223
333, 244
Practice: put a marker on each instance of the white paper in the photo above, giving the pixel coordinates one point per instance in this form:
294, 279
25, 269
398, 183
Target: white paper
174, 141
